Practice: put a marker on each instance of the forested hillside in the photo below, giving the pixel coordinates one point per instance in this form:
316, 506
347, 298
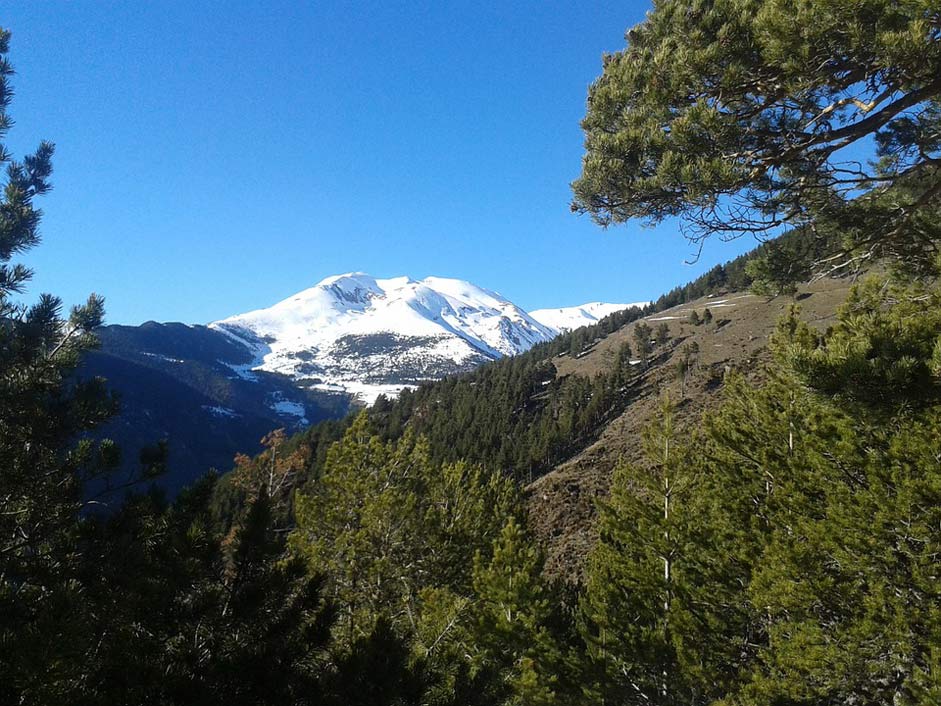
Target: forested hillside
180, 383
731, 497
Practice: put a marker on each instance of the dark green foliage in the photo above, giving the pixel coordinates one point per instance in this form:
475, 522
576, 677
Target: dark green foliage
848, 531
884, 348
707, 317
514, 415
386, 523
694, 318
161, 610
435, 556
513, 611
641, 591
776, 271
44, 467
736, 116
180, 623
377, 671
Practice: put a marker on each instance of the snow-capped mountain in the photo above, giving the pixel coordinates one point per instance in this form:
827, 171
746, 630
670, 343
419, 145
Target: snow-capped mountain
368, 336
572, 317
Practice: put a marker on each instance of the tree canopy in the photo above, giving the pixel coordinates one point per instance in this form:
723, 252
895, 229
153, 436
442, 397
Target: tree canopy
746, 116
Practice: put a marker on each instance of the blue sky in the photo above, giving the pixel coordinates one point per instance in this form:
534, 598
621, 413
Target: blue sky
215, 157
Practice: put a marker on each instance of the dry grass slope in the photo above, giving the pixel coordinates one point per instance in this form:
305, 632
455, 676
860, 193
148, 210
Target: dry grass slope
562, 504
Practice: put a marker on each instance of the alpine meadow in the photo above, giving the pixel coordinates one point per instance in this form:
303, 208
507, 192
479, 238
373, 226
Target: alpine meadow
383, 491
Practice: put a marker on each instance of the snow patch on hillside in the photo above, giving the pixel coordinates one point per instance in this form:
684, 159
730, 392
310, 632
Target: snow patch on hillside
220, 411
288, 407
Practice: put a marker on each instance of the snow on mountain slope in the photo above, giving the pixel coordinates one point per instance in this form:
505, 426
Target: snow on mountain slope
371, 336
573, 317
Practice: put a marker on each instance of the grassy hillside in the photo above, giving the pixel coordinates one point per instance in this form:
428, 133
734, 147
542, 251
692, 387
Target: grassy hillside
562, 503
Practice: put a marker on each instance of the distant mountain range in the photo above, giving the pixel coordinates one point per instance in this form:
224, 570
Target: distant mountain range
217, 389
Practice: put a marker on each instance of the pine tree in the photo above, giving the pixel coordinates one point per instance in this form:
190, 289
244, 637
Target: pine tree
776, 271
385, 523
276, 472
811, 536
723, 115
881, 353
513, 611
175, 618
685, 363
50, 469
851, 523
635, 594
623, 367
355, 522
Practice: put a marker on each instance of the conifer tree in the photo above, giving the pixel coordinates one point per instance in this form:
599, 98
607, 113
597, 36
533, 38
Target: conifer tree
775, 271
883, 350
812, 532
513, 611
685, 364
355, 524
49, 469
851, 530
635, 594
276, 469
736, 117
175, 619
385, 523
276, 472
623, 370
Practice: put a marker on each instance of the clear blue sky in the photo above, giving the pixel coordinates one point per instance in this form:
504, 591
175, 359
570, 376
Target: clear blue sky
215, 157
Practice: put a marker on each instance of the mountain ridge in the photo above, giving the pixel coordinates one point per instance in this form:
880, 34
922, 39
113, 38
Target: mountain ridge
368, 336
